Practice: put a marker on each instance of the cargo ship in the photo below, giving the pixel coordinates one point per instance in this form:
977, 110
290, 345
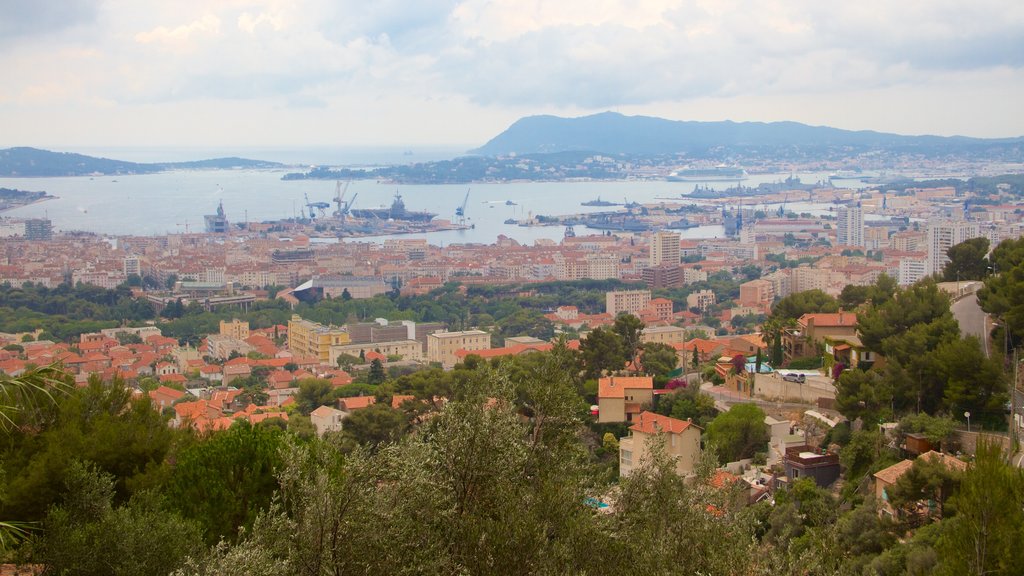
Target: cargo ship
397, 211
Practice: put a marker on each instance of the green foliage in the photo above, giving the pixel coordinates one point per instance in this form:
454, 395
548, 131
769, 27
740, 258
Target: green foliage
67, 311
985, 535
878, 293
928, 479
738, 433
937, 429
688, 403
659, 359
88, 535
967, 261
375, 425
1003, 293
602, 351
807, 302
224, 481
98, 424
866, 453
314, 393
377, 374
629, 329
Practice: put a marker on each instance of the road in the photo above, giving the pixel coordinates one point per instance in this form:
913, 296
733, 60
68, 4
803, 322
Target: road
973, 321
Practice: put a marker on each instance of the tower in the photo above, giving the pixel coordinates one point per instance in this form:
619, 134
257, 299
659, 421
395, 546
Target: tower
850, 226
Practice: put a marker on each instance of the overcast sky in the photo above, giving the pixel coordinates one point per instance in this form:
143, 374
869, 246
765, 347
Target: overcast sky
211, 73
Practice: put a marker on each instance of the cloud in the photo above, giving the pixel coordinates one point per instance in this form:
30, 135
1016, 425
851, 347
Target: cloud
207, 25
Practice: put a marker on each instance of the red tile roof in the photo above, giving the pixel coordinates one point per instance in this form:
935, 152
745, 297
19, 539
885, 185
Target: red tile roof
652, 423
615, 386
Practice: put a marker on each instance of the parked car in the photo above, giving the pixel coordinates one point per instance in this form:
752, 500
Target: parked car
794, 378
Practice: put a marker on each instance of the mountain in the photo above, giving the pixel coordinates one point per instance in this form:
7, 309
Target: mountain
613, 133
35, 162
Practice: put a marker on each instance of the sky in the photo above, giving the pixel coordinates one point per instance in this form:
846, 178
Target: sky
284, 73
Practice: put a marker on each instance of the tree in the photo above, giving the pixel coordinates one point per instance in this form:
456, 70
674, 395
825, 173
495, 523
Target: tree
313, 393
375, 425
967, 260
600, 351
345, 295
695, 358
88, 534
739, 433
927, 479
807, 302
985, 535
377, 374
629, 328
224, 481
659, 359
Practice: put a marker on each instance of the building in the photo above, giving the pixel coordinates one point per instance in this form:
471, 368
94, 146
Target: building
407, 349
442, 346
621, 398
943, 235
663, 335
665, 248
802, 462
701, 300
631, 301
234, 329
813, 329
308, 339
38, 229
327, 419
663, 276
132, 265
757, 294
884, 479
682, 443
850, 226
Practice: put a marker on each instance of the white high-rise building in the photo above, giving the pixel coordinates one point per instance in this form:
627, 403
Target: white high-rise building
850, 226
943, 235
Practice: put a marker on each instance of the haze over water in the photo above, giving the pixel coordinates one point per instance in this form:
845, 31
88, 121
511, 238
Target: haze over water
171, 201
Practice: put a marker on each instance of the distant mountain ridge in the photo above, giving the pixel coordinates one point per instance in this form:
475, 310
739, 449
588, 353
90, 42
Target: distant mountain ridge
34, 162
614, 133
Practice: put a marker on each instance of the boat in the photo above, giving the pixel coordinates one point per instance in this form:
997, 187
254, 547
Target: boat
397, 211
599, 202
720, 173
681, 224
510, 203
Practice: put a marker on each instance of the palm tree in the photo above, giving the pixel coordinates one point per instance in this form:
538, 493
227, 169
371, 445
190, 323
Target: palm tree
25, 395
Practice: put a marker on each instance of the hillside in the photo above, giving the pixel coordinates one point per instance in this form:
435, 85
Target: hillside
34, 162
614, 133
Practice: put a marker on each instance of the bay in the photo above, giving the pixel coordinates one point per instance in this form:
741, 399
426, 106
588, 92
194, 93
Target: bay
175, 201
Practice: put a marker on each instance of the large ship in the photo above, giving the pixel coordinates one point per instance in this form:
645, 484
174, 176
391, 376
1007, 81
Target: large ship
397, 211
599, 202
720, 173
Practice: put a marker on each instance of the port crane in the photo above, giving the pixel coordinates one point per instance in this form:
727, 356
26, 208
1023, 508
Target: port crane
460, 211
339, 199
316, 208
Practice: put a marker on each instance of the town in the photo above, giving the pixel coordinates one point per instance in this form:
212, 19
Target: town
842, 361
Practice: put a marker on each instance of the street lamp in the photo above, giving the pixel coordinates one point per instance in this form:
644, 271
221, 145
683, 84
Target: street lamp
968, 416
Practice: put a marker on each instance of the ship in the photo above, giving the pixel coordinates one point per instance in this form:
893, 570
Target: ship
397, 211
599, 202
720, 173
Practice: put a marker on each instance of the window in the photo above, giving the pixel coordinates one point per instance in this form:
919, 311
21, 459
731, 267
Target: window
626, 457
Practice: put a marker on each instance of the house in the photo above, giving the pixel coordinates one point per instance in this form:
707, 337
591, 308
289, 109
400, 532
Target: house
164, 397
682, 442
808, 337
327, 419
621, 398
356, 402
885, 478
802, 462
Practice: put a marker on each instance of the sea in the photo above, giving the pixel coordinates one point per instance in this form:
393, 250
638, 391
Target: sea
176, 201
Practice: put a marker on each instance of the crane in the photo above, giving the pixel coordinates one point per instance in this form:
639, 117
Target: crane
316, 207
339, 199
460, 211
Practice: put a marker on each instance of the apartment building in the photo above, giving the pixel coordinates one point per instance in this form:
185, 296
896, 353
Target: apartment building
442, 346
308, 339
664, 248
234, 329
631, 301
850, 226
943, 235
